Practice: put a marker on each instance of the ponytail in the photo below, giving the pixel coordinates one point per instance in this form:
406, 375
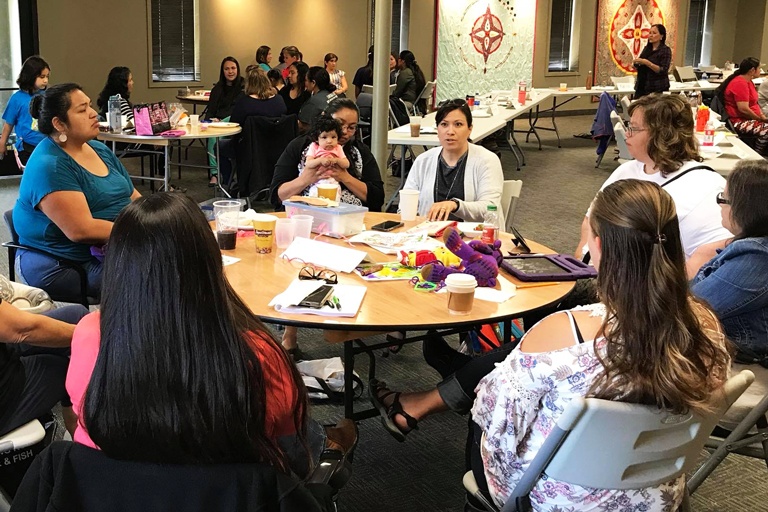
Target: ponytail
55, 102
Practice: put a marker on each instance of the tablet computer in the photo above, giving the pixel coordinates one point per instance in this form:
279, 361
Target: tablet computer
547, 267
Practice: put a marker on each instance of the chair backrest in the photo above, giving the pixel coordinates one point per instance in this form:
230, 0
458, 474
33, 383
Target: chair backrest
425, 97
8, 218
625, 103
621, 141
647, 446
624, 79
369, 89
365, 105
685, 74
510, 193
398, 112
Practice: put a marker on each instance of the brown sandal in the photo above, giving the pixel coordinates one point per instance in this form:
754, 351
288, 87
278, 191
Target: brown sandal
378, 392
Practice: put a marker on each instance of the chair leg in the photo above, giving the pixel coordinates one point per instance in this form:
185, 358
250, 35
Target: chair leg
12, 263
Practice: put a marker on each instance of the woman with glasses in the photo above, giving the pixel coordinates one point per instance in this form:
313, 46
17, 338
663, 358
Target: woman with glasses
660, 138
361, 184
458, 180
735, 281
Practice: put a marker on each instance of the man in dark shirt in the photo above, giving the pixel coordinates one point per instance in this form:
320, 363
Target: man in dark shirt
34, 356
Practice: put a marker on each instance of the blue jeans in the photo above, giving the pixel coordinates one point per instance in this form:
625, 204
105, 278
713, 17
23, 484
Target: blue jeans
61, 283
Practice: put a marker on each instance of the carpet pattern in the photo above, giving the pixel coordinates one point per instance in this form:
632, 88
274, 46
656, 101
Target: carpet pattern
424, 473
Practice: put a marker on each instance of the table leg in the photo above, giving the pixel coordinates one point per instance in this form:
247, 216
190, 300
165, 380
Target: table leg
517, 151
349, 383
532, 126
403, 152
167, 168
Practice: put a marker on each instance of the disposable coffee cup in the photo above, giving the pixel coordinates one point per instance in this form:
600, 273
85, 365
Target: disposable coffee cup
284, 229
563, 86
327, 190
302, 226
409, 204
461, 293
264, 232
227, 215
194, 119
415, 126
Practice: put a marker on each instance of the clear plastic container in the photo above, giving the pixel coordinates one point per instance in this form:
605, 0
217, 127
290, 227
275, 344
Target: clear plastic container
343, 220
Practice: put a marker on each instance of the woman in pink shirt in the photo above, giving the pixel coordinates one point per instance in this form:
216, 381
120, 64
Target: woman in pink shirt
175, 368
739, 96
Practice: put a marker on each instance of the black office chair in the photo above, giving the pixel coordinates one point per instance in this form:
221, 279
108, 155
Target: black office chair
14, 245
717, 107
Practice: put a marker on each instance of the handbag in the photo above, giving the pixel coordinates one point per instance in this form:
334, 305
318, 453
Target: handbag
151, 118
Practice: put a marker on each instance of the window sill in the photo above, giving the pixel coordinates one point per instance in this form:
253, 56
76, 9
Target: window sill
562, 73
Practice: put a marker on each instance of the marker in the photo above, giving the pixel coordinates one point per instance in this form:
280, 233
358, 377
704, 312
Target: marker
536, 285
337, 302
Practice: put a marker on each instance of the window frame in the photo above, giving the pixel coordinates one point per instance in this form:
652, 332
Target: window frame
575, 38
151, 82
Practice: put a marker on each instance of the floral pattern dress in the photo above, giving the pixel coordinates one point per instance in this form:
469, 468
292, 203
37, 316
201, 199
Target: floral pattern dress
517, 406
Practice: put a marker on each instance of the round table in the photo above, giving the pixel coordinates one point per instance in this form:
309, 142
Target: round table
388, 305
192, 133
194, 99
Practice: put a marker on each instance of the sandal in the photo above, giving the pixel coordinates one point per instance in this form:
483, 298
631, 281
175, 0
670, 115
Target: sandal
378, 391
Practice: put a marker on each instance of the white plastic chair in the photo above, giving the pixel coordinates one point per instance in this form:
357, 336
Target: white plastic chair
614, 445
509, 196
685, 74
625, 104
23, 437
621, 142
426, 94
369, 89
624, 79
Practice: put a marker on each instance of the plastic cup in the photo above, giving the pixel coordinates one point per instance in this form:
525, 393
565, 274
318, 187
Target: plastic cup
194, 119
284, 229
227, 215
124, 121
461, 293
415, 125
327, 190
563, 86
409, 204
302, 226
264, 232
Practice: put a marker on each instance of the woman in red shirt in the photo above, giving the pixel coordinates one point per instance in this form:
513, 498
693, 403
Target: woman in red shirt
739, 96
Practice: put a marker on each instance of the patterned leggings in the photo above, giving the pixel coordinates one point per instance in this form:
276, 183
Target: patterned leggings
757, 128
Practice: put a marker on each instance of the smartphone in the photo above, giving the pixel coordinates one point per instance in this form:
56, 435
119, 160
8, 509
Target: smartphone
519, 241
317, 298
387, 226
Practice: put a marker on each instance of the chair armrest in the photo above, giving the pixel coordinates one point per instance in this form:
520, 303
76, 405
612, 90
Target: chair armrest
77, 266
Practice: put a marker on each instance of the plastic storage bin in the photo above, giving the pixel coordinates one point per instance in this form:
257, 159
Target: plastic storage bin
343, 220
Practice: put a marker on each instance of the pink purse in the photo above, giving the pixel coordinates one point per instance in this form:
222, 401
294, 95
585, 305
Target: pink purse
151, 118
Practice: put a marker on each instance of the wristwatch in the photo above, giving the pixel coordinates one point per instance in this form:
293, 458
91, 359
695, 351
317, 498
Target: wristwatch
456, 202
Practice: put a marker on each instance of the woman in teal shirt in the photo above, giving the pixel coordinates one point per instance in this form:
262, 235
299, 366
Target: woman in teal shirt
71, 191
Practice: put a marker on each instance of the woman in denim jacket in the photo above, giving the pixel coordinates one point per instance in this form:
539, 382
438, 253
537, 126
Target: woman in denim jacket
735, 282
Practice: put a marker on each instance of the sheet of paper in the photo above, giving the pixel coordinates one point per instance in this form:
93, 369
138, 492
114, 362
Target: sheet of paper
330, 256
228, 260
349, 299
507, 291
393, 243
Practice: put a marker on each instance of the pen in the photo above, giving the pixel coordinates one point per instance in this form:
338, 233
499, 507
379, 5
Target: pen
337, 302
536, 285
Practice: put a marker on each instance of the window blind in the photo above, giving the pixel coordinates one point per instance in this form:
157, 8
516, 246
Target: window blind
174, 41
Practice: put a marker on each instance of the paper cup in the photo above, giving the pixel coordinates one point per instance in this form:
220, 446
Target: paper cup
563, 86
327, 190
264, 232
409, 204
227, 215
415, 125
284, 229
461, 293
302, 226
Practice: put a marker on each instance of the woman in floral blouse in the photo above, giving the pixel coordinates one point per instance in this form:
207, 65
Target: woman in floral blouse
649, 341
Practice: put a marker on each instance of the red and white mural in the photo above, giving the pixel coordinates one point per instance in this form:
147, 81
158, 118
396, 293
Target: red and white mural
622, 33
483, 45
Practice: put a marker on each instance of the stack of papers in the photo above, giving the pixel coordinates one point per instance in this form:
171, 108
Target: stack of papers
349, 299
393, 243
333, 257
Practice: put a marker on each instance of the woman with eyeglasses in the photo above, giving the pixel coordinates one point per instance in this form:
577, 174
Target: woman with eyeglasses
735, 281
660, 138
361, 183
458, 180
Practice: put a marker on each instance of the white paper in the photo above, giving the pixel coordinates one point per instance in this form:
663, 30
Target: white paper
350, 297
228, 260
393, 243
330, 256
507, 291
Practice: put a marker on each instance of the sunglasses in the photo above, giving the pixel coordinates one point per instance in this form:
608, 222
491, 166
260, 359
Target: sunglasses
721, 199
322, 274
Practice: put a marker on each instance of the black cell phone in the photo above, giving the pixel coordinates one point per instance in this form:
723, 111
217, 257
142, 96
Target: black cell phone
519, 241
317, 298
387, 226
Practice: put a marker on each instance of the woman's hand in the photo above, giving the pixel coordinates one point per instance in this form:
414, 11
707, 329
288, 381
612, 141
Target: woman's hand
641, 62
441, 210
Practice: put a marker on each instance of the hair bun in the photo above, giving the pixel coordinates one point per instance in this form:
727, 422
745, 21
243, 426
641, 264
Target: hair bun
35, 105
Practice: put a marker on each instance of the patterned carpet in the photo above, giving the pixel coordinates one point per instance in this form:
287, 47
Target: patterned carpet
424, 473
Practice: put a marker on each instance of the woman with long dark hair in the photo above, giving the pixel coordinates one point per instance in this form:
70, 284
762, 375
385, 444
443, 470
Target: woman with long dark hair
175, 368
223, 96
364, 75
119, 81
739, 96
648, 341
318, 83
653, 63
264, 57
735, 281
295, 94
410, 81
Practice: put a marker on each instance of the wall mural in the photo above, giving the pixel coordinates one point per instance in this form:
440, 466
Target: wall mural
622, 33
483, 45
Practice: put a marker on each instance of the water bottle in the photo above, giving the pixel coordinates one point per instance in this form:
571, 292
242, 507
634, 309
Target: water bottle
521, 92
704, 76
490, 225
115, 121
589, 80
709, 133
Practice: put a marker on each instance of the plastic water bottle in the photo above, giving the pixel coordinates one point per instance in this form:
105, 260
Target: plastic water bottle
490, 225
709, 133
115, 121
589, 80
704, 76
